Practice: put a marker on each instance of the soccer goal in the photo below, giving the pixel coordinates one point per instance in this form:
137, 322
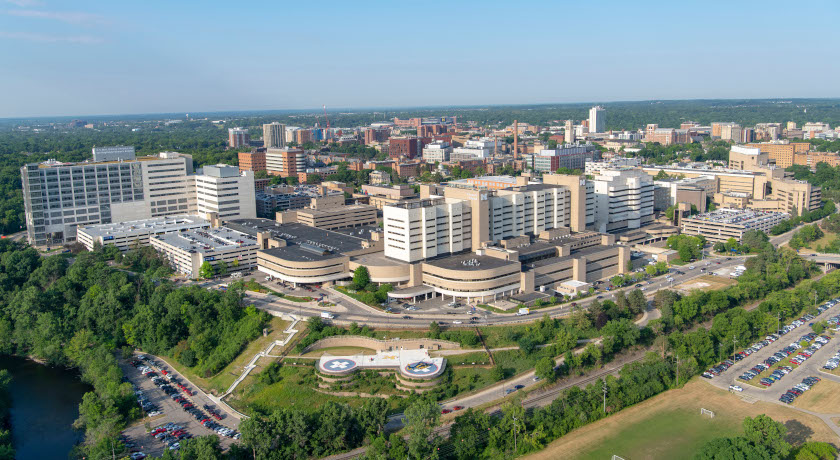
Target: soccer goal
707, 412
616, 457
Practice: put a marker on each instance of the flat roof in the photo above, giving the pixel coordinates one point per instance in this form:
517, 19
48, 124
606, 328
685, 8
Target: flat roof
469, 262
305, 243
211, 240
732, 216
153, 225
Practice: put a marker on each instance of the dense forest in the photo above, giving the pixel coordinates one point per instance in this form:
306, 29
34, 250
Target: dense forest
81, 314
7, 451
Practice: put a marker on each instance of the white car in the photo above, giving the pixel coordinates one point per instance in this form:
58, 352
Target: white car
457, 322
692, 267
735, 388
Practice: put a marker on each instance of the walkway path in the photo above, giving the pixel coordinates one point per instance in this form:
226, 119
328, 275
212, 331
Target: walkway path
291, 331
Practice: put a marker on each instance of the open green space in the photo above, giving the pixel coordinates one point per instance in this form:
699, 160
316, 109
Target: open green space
670, 426
220, 382
297, 388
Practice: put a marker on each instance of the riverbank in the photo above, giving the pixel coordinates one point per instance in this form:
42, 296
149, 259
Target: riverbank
44, 404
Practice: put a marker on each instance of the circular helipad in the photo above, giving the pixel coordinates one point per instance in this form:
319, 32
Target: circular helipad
339, 365
420, 369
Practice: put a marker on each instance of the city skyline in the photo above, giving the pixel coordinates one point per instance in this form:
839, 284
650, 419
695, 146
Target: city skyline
103, 58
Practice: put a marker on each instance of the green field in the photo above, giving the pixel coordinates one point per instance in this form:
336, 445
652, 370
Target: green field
669, 426
673, 434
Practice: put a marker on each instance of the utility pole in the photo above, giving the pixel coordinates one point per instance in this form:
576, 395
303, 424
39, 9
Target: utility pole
605, 396
514, 434
734, 341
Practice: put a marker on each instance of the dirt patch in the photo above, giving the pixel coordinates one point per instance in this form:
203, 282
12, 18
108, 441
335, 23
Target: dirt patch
630, 434
705, 283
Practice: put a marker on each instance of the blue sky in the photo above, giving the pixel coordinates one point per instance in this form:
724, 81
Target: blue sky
117, 57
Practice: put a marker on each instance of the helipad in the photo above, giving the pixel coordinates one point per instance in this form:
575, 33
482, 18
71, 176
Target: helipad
411, 363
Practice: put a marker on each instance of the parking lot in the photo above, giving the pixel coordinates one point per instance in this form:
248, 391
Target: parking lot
771, 353
181, 421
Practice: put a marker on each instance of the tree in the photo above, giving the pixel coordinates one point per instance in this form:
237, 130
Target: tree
205, 271
764, 431
544, 369
361, 277
637, 301
434, 330
222, 268
420, 418
497, 373
816, 451
629, 265
733, 448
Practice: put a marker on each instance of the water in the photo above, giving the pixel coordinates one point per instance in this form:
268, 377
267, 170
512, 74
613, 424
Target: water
45, 402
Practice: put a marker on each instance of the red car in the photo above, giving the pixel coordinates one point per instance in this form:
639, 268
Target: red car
458, 408
216, 416
446, 411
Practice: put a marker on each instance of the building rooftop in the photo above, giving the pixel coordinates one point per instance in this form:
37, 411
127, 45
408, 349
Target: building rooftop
212, 240
729, 216
305, 242
155, 224
468, 261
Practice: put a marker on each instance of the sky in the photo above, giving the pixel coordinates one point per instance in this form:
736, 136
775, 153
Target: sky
90, 57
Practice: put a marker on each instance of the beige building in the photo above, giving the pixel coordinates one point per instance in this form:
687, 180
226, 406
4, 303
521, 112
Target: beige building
782, 153
138, 233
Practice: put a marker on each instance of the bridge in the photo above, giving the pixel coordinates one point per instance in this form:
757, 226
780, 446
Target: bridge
829, 261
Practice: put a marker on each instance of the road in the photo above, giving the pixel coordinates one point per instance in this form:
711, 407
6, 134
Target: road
350, 310
811, 367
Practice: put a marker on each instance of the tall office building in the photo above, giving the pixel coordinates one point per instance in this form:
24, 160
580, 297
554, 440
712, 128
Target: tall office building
597, 119
286, 162
59, 196
238, 137
274, 135
623, 199
223, 190
569, 134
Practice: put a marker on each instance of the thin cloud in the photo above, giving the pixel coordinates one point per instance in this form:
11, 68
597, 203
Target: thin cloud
25, 3
42, 38
70, 17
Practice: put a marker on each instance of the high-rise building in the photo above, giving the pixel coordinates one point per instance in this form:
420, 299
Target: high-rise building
286, 162
223, 190
597, 119
58, 197
274, 135
252, 161
569, 133
238, 137
409, 147
113, 153
623, 199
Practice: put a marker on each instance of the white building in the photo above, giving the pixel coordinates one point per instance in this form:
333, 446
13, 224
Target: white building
418, 230
113, 153
623, 199
597, 119
222, 189
476, 149
593, 168
187, 251
274, 135
138, 233
437, 151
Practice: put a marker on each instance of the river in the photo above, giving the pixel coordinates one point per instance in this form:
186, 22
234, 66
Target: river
45, 402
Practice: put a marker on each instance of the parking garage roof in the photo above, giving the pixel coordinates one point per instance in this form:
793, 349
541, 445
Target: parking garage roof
470, 262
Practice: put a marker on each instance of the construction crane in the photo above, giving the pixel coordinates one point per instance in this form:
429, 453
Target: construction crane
325, 117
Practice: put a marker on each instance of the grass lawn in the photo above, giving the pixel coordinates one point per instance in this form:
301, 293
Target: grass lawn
826, 239
669, 426
296, 389
824, 397
340, 351
478, 357
220, 382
